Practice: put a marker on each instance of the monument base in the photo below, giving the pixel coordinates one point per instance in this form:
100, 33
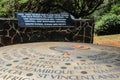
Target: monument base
59, 61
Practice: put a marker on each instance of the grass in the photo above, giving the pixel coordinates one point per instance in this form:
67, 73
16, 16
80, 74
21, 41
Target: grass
110, 40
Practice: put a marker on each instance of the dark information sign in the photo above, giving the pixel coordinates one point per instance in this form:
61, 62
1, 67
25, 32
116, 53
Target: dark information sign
44, 20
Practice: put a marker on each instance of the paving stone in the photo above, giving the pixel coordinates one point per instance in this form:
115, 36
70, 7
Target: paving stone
59, 61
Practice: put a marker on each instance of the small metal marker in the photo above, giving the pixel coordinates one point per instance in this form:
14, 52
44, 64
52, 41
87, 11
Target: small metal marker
67, 63
108, 65
117, 59
79, 57
63, 67
29, 74
8, 64
83, 60
16, 61
83, 72
42, 58
25, 58
4, 53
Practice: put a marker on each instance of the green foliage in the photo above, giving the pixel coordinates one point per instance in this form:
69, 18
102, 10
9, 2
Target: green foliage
8, 7
115, 9
108, 24
108, 18
4, 7
22, 1
78, 8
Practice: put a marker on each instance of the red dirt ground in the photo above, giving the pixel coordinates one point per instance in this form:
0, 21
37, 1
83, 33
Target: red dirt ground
109, 40
108, 43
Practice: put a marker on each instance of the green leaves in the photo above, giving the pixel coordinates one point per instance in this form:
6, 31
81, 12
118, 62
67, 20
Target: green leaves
7, 7
4, 7
115, 9
108, 24
108, 21
22, 1
78, 8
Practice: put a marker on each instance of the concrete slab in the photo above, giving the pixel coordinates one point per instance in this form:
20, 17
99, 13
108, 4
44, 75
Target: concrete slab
59, 61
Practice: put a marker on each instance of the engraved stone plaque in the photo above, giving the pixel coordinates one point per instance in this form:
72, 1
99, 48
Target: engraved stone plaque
44, 20
59, 61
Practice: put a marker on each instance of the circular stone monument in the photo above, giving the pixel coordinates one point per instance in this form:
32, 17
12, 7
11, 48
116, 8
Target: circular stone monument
59, 61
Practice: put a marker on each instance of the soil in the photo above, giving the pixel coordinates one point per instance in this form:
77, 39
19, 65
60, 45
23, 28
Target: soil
108, 43
109, 40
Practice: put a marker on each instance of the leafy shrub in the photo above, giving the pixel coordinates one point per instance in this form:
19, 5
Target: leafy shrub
115, 9
4, 7
7, 7
108, 24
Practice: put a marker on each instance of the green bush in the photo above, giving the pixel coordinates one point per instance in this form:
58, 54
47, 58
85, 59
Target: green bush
108, 24
4, 7
7, 7
115, 9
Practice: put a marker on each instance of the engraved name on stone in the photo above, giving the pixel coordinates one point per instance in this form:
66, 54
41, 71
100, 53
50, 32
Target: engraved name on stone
34, 64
